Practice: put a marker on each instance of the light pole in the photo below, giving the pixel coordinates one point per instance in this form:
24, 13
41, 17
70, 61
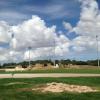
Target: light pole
12, 37
54, 53
12, 46
97, 50
29, 48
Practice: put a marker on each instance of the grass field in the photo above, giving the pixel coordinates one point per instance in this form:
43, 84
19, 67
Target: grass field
60, 70
24, 92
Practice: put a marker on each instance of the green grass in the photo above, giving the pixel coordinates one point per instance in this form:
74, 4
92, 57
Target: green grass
60, 70
17, 92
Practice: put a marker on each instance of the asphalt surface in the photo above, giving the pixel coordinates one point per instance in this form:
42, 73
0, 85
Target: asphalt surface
53, 75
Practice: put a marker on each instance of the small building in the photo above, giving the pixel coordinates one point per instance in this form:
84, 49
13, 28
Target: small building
56, 66
19, 68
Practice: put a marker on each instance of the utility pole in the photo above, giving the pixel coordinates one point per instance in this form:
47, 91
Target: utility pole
97, 50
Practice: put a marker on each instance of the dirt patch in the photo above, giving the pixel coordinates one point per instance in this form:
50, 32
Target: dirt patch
61, 87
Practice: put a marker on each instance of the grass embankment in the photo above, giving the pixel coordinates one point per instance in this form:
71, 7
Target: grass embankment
60, 70
24, 91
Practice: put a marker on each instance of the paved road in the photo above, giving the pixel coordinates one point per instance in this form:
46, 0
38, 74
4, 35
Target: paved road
47, 75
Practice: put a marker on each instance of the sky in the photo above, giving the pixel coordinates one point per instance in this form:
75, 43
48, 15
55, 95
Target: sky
54, 29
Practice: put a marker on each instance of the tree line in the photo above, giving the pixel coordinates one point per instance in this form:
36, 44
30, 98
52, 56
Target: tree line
64, 62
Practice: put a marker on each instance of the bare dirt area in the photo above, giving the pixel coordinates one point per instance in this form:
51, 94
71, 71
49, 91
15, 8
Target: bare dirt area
61, 87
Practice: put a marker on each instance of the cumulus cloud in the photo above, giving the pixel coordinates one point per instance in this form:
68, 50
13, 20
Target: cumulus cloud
87, 27
4, 32
84, 44
34, 33
44, 40
89, 23
67, 26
